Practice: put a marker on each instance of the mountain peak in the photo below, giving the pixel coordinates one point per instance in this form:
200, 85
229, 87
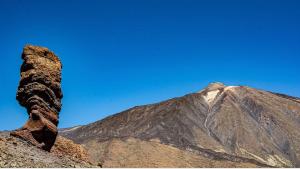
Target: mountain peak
220, 124
215, 86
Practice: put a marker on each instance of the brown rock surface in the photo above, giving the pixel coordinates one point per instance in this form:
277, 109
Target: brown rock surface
15, 152
40, 93
66, 147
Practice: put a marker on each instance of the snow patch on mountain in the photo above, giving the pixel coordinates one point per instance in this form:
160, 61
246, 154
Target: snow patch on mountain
210, 96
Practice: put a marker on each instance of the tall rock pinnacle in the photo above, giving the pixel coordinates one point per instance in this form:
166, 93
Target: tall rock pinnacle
40, 93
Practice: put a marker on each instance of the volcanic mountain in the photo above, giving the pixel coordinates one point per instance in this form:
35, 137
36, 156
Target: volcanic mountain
219, 126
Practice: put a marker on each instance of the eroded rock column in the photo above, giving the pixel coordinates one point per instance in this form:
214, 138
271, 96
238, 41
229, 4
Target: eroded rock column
40, 93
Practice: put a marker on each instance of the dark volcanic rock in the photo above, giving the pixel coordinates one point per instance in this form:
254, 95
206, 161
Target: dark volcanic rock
40, 92
223, 123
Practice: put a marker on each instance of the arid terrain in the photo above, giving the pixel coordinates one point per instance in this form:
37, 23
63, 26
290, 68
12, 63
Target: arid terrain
15, 152
219, 126
150, 84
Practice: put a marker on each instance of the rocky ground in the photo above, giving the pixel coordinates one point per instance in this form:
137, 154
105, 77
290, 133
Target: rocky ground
15, 152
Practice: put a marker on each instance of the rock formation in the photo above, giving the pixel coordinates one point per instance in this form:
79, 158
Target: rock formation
40, 93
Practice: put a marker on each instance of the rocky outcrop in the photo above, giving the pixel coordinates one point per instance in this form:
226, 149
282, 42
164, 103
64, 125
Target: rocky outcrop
40, 93
232, 124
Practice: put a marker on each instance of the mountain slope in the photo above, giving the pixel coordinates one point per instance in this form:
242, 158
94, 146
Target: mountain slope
235, 124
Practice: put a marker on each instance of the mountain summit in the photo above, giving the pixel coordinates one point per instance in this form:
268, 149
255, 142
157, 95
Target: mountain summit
219, 126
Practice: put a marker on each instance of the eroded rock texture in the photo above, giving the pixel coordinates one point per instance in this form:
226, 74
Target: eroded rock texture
40, 93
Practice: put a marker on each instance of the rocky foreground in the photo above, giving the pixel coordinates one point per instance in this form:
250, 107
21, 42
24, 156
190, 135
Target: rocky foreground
15, 152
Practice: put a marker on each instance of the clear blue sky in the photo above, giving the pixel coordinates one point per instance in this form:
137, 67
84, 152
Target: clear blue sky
118, 54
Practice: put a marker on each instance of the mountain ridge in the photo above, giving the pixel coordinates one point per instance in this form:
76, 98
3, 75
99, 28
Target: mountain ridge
238, 121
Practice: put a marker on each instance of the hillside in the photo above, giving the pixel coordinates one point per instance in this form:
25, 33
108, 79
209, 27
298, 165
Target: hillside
219, 126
